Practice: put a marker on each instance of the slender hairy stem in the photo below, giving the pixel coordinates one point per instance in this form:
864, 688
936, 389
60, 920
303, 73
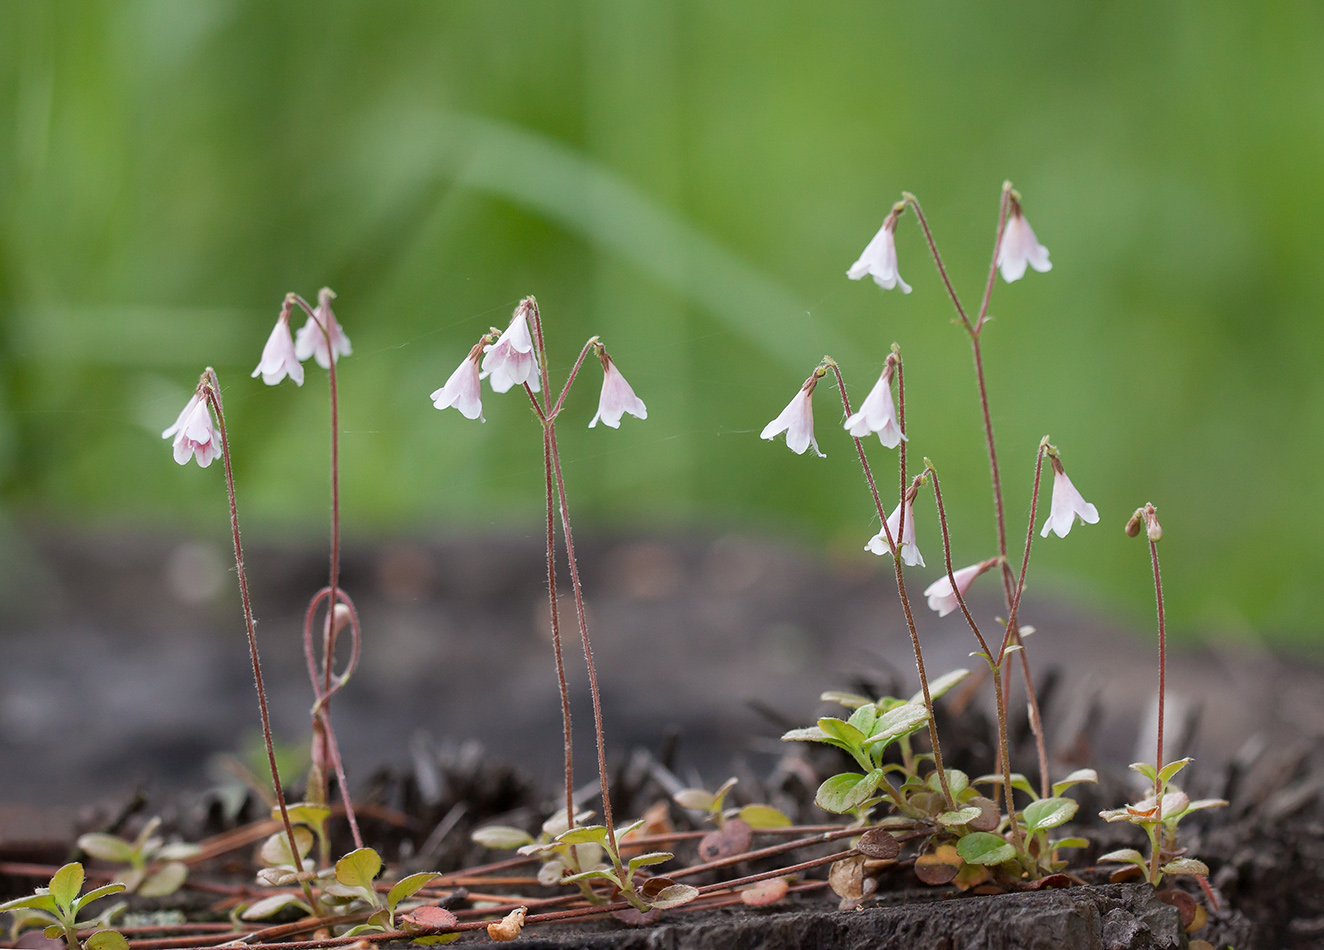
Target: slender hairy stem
1162, 659
1036, 722
894, 547
588, 649
995, 666
213, 396
574, 371
556, 631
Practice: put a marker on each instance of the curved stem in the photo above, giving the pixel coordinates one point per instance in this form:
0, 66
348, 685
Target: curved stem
893, 546
574, 371
1163, 660
213, 396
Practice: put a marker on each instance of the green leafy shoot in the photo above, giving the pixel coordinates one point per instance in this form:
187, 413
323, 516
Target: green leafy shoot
154, 868
58, 904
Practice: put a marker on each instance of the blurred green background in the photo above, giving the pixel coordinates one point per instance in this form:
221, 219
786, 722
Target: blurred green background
690, 180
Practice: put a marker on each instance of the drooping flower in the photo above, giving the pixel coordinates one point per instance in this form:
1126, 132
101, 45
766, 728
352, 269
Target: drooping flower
278, 356
617, 397
462, 390
1020, 247
510, 360
940, 594
909, 550
1067, 504
879, 258
312, 338
195, 434
878, 413
797, 421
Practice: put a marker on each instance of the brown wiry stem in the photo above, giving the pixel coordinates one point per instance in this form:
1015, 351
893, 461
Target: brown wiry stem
588, 648
973, 330
323, 717
212, 393
548, 418
894, 548
995, 667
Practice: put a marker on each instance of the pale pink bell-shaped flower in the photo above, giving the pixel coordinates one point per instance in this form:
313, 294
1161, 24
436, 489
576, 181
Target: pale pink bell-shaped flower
909, 550
797, 421
462, 390
195, 434
1020, 247
1067, 505
878, 413
940, 594
312, 341
278, 357
617, 397
510, 360
879, 258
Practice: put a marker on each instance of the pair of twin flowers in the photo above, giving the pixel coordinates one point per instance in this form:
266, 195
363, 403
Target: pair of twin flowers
1018, 249
507, 360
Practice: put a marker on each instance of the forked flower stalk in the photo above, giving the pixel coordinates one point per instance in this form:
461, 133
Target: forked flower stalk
321, 708
892, 543
973, 330
211, 391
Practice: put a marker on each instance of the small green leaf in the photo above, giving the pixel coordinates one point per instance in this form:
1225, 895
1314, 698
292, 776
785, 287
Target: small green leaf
1125, 856
764, 816
1086, 776
40, 901
957, 781
1069, 843
940, 686
863, 718
65, 885
307, 813
897, 722
638, 823
849, 700
719, 796
434, 939
584, 834
381, 920
274, 904
982, 847
951, 819
674, 895
179, 851
105, 890
846, 791
1172, 768
365, 928
165, 881
1186, 866
275, 851
651, 858
106, 940
501, 837
358, 868
1201, 803
841, 731
1049, 813
407, 887
54, 932
1145, 769
695, 799
1018, 782
106, 847
598, 874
